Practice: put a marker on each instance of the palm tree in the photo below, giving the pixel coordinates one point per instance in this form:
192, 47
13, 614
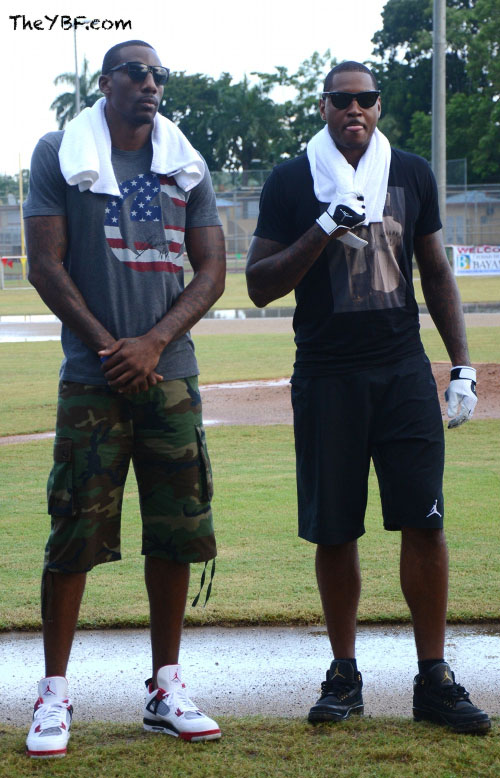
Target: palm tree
64, 104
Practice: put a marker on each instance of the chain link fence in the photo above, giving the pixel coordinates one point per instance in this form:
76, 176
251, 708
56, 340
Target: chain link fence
472, 212
472, 215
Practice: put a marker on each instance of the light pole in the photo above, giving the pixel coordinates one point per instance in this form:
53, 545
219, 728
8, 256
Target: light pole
439, 104
77, 74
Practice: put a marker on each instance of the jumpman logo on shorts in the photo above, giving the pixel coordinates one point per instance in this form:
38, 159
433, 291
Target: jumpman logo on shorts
434, 510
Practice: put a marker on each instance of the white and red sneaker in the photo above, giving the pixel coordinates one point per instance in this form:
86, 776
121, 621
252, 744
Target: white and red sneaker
169, 709
49, 732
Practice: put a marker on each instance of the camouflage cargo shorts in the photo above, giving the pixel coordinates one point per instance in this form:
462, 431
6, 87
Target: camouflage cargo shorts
98, 433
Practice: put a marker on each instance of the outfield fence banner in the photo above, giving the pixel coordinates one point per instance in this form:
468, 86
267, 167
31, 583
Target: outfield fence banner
476, 260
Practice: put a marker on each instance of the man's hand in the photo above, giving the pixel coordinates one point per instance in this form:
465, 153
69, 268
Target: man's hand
346, 212
129, 364
461, 395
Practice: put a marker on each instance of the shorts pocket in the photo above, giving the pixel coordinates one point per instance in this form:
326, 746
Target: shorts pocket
207, 484
60, 488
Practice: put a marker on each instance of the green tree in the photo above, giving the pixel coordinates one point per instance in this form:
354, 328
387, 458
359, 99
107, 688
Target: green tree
420, 139
10, 185
235, 126
192, 103
404, 71
254, 127
300, 114
65, 104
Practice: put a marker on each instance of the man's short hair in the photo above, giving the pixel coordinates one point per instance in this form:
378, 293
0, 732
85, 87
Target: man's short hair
349, 67
112, 57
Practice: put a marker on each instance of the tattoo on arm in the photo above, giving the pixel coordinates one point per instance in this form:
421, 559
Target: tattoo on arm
207, 254
442, 296
47, 245
274, 270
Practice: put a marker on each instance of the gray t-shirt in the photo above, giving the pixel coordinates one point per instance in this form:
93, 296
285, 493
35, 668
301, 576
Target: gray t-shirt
125, 254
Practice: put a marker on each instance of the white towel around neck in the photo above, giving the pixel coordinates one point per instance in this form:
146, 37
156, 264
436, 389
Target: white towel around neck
333, 175
85, 153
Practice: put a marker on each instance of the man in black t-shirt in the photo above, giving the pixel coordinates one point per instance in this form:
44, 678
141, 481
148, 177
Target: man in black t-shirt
340, 226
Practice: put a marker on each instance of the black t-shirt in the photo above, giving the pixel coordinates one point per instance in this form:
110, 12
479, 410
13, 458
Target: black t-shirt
354, 308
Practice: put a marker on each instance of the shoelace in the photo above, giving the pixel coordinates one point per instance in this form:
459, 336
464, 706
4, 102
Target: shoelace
181, 698
455, 692
336, 687
51, 714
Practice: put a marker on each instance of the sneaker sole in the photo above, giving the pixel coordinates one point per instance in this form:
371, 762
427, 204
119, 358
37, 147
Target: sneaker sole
46, 754
317, 716
478, 727
191, 737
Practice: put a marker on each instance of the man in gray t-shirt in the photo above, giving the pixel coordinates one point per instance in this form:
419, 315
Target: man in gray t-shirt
111, 268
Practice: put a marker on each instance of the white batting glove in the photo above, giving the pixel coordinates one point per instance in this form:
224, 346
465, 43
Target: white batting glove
346, 212
461, 395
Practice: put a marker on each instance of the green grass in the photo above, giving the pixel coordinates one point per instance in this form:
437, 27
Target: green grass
472, 290
255, 747
30, 370
265, 574
25, 301
483, 344
236, 295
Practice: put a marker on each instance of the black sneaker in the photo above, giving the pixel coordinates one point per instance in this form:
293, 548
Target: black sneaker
340, 694
436, 697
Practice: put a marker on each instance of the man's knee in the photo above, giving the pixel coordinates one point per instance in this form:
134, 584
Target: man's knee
422, 536
336, 549
59, 590
424, 545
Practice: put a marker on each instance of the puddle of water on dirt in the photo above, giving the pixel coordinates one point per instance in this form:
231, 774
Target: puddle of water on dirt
273, 670
32, 318
244, 384
27, 338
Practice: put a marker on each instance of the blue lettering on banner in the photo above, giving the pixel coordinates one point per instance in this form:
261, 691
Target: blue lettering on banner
476, 260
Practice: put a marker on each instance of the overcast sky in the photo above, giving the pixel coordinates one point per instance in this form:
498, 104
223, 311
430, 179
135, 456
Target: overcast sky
196, 36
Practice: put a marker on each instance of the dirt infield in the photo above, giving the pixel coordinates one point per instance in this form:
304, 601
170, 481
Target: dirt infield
268, 402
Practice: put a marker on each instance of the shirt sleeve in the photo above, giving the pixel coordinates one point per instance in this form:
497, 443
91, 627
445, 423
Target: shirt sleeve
201, 208
275, 212
428, 220
47, 189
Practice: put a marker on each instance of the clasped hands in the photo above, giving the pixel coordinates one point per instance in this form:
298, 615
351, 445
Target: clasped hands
129, 364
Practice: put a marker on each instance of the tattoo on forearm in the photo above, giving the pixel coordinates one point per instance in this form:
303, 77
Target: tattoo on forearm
444, 304
47, 245
276, 274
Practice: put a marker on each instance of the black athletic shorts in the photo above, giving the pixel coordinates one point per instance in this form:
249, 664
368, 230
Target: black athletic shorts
390, 414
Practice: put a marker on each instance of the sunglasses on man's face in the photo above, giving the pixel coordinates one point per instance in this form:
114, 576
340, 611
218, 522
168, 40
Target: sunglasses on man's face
342, 100
138, 71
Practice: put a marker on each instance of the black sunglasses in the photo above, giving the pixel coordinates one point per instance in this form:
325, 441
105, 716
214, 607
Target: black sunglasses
138, 71
342, 100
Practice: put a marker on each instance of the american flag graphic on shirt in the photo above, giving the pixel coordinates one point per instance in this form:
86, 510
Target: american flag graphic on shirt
144, 227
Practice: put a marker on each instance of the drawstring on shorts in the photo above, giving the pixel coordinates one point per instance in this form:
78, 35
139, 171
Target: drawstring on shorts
202, 583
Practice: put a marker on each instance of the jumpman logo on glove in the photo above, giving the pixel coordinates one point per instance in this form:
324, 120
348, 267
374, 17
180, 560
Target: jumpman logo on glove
346, 212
